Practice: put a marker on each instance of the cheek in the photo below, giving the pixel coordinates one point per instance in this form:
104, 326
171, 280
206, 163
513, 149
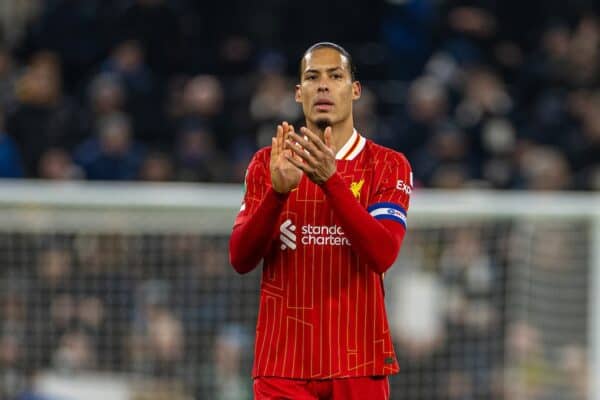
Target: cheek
346, 96
306, 97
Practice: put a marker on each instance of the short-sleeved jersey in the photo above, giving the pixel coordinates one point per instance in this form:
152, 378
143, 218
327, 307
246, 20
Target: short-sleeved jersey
322, 312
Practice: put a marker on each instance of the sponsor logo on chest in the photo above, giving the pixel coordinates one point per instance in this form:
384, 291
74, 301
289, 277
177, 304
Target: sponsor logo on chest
311, 235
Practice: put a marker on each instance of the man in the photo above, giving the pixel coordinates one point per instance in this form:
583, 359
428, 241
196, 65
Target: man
326, 211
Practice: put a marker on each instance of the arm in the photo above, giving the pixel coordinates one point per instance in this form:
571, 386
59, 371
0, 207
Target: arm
263, 202
251, 236
378, 241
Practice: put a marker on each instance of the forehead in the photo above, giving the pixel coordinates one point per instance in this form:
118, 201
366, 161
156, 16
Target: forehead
324, 58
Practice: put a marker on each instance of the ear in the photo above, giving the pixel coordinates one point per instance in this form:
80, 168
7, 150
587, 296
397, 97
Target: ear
356, 90
298, 95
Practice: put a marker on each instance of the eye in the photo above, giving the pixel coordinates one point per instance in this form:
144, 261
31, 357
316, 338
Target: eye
311, 77
337, 76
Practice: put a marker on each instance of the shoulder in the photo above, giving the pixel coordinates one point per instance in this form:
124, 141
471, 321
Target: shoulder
377, 153
259, 163
262, 156
264, 153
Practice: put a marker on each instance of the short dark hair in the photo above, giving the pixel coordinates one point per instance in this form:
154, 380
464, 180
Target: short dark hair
336, 47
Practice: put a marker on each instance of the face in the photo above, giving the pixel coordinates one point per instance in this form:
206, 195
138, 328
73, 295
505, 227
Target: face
326, 90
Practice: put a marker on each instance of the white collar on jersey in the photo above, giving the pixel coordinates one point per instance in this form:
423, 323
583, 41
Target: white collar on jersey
352, 147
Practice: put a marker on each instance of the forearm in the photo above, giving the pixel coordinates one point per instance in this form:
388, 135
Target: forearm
250, 240
378, 242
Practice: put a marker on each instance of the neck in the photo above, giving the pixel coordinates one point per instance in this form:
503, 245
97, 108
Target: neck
340, 132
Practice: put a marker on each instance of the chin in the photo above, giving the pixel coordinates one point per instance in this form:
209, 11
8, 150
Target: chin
323, 123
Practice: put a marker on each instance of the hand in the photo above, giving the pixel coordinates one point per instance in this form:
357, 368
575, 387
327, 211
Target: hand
313, 156
285, 176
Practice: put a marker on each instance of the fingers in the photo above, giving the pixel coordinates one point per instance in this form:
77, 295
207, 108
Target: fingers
306, 151
284, 130
327, 138
284, 127
314, 138
301, 153
294, 140
277, 143
297, 162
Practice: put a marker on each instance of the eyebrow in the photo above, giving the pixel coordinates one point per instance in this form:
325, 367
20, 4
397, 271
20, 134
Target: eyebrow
327, 70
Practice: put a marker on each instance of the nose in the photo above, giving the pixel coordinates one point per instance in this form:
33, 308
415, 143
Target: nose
323, 87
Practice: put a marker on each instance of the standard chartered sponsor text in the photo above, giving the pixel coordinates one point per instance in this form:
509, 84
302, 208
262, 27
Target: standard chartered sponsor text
324, 235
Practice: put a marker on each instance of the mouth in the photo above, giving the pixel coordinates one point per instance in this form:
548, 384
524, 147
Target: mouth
323, 105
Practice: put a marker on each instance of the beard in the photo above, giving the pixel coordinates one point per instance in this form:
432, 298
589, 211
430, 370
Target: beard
322, 123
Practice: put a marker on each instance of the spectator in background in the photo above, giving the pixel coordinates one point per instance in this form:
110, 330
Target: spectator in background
8, 78
272, 101
107, 95
56, 164
157, 167
485, 114
104, 284
14, 17
202, 102
417, 320
127, 63
13, 330
12, 377
444, 161
548, 67
527, 367
544, 168
426, 106
51, 303
75, 352
581, 144
157, 340
231, 382
112, 154
43, 116
468, 30
500, 143
197, 277
197, 156
10, 158
573, 360
584, 52
469, 276
484, 96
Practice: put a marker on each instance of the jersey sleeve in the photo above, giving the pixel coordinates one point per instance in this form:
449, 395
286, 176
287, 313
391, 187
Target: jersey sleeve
255, 186
253, 228
376, 233
392, 197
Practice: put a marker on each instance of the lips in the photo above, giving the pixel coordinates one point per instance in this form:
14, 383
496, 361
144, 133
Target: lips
323, 104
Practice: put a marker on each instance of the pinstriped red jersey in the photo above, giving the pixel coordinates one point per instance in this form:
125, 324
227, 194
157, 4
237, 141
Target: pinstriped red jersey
322, 312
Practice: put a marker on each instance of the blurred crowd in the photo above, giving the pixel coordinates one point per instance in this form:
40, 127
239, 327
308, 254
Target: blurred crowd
161, 309
478, 311
496, 311
476, 93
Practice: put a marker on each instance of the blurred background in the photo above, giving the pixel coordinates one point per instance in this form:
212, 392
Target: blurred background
479, 94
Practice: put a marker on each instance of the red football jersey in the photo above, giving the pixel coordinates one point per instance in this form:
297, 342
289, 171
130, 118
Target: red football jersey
322, 312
